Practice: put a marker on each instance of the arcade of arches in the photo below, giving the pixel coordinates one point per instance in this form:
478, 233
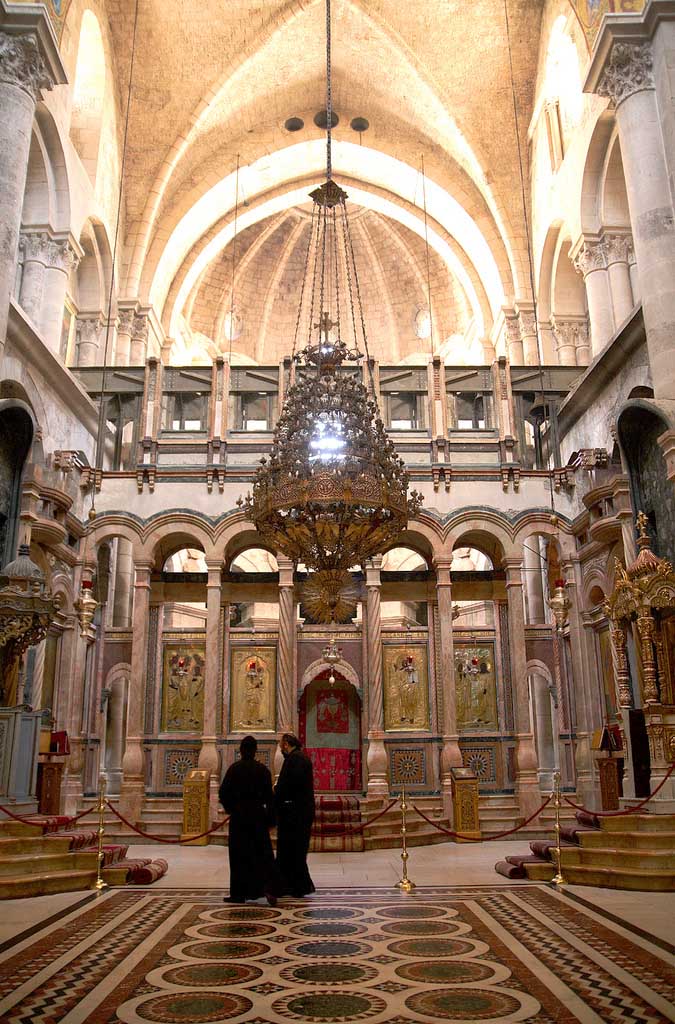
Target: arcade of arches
529, 386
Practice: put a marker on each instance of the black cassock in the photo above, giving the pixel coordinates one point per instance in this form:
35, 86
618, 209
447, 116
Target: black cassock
295, 813
247, 796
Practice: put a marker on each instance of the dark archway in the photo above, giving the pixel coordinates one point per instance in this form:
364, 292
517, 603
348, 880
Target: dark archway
330, 729
652, 492
16, 435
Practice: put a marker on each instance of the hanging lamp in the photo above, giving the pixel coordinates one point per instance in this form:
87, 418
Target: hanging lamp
333, 491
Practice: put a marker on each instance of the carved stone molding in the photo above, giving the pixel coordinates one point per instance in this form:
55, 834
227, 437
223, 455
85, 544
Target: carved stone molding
140, 327
570, 331
592, 256
527, 324
620, 248
126, 319
88, 330
34, 246
21, 64
628, 70
62, 256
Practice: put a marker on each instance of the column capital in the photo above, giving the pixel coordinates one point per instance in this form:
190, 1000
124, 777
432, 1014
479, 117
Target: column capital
22, 64
590, 256
620, 247
34, 246
62, 255
629, 68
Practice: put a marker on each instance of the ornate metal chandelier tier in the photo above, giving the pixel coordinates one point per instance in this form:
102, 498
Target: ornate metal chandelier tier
333, 492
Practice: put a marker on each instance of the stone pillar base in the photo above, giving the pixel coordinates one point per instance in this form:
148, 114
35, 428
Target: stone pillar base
376, 762
528, 793
132, 795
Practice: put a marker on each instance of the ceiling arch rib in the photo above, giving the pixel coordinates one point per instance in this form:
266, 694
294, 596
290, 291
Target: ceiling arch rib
294, 47
385, 172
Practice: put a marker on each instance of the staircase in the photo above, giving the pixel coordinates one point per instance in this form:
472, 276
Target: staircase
35, 863
635, 851
500, 813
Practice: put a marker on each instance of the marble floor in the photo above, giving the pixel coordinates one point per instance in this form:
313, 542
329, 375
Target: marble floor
467, 945
446, 864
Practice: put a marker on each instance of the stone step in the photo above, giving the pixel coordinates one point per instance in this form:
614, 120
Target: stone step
17, 828
628, 840
46, 863
650, 860
639, 823
33, 846
22, 886
392, 840
620, 878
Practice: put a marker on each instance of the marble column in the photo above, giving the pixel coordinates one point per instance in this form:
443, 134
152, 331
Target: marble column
139, 340
88, 340
34, 248
24, 73
451, 755
565, 330
61, 260
125, 327
591, 262
619, 255
527, 783
378, 783
528, 334
513, 338
533, 581
623, 70
133, 762
124, 572
208, 754
287, 695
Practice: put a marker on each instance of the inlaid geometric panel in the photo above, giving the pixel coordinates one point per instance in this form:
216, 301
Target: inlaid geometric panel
177, 763
481, 759
408, 766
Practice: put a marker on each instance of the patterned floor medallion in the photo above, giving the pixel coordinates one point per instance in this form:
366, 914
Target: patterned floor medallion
193, 1008
330, 1005
466, 1004
522, 953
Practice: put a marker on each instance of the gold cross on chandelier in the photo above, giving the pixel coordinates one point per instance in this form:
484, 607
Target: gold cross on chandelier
324, 325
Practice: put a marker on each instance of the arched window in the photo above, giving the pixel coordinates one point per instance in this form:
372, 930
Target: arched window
88, 94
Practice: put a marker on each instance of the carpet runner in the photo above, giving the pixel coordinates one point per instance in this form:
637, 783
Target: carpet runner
504, 954
336, 818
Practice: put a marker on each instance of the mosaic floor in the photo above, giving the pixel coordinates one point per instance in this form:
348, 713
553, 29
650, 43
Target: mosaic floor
473, 953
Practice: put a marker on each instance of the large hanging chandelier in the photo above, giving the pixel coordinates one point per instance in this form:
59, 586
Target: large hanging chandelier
333, 492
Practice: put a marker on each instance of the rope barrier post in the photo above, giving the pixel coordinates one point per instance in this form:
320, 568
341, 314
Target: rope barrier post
100, 882
405, 884
558, 877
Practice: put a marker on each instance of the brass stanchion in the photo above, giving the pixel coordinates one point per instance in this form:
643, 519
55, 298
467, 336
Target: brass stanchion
557, 878
404, 883
100, 882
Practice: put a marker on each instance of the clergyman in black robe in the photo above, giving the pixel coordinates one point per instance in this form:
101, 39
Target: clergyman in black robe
294, 797
246, 794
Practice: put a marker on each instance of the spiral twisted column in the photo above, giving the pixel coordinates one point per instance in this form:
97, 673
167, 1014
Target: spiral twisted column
208, 754
133, 767
286, 702
451, 755
527, 781
376, 760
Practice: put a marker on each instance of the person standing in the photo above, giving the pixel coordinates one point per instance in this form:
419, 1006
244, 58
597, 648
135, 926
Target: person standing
294, 798
246, 794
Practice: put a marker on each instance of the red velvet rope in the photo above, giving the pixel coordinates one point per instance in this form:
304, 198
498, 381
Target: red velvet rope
472, 839
32, 821
359, 828
156, 839
627, 810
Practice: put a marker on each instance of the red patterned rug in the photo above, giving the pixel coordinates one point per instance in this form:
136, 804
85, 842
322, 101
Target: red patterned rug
336, 822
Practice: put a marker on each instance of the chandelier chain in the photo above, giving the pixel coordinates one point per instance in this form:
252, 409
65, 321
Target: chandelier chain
426, 247
315, 274
351, 256
337, 267
329, 96
349, 285
304, 282
234, 258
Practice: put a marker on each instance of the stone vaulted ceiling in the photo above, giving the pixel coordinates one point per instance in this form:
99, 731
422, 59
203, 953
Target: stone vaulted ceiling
216, 80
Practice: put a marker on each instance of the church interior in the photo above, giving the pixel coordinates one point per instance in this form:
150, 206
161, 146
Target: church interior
351, 421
